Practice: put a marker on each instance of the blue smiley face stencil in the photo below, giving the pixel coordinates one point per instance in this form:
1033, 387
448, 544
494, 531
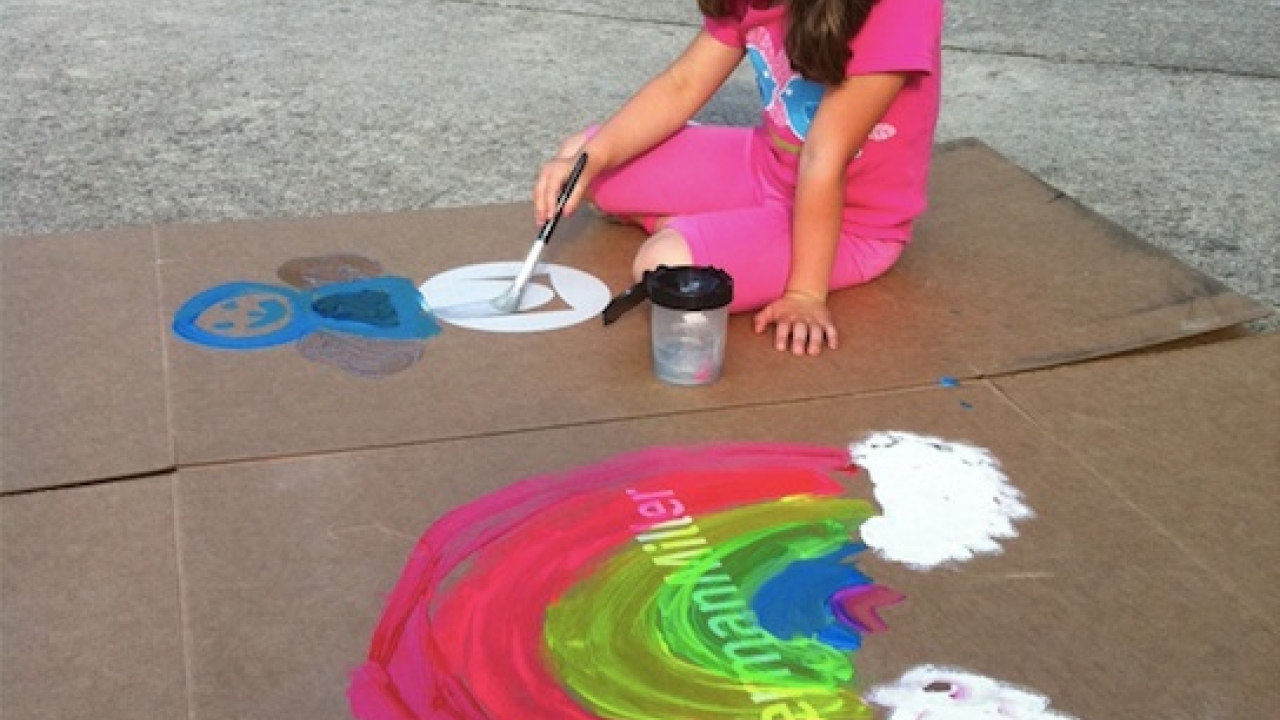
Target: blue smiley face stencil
339, 309
244, 316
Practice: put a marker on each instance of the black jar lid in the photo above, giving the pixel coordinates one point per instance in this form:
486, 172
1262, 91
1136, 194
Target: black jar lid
689, 287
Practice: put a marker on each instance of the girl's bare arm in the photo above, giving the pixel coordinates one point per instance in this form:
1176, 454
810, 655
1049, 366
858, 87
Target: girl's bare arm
844, 119
660, 108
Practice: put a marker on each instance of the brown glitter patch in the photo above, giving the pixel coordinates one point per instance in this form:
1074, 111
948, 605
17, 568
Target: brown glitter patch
312, 272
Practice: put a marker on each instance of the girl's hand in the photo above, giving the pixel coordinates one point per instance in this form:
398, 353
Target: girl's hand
802, 324
555, 172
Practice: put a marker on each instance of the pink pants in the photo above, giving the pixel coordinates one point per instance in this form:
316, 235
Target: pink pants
728, 192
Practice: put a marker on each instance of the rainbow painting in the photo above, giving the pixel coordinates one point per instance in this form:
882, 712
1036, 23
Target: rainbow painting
681, 582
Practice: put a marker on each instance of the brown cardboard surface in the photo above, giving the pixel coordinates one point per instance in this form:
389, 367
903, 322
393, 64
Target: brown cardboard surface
1005, 274
1033, 279
1097, 605
251, 581
82, 373
1189, 438
89, 622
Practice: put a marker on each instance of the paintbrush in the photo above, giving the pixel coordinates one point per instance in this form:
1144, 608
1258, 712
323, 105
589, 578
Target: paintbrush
509, 301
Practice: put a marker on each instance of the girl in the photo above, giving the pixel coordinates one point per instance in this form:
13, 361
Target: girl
821, 195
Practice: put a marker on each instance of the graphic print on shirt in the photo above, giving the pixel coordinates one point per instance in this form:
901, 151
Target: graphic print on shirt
765, 81
790, 100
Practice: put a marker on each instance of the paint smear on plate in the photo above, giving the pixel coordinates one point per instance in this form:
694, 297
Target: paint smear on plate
462, 296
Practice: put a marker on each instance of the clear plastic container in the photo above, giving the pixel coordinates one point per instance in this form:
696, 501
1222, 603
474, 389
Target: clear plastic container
689, 322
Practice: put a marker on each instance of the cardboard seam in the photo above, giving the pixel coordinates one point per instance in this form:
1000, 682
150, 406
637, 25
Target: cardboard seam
92, 482
184, 614
162, 325
619, 420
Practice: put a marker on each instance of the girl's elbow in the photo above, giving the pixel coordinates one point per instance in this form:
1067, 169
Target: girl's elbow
823, 165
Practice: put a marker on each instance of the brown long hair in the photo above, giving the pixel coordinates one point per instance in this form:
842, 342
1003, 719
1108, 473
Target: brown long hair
818, 31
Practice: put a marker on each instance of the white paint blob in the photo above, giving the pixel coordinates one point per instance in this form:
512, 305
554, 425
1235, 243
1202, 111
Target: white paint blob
940, 693
473, 285
941, 501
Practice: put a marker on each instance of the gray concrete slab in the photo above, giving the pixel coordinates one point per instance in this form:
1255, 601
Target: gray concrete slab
1163, 116
1229, 36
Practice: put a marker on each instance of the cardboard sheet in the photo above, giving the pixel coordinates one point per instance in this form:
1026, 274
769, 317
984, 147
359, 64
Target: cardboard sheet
252, 578
1204, 467
1005, 274
82, 370
1131, 594
90, 620
1029, 278
1099, 604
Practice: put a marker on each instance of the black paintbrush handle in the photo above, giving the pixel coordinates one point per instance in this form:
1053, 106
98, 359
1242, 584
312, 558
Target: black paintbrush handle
550, 225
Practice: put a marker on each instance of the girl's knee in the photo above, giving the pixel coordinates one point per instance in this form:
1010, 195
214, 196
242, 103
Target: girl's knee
666, 247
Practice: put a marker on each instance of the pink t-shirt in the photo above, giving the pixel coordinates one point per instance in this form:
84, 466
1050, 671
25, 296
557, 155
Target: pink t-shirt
887, 181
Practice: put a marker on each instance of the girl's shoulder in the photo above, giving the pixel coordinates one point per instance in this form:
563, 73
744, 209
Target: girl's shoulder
899, 35
895, 17
907, 7
746, 17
